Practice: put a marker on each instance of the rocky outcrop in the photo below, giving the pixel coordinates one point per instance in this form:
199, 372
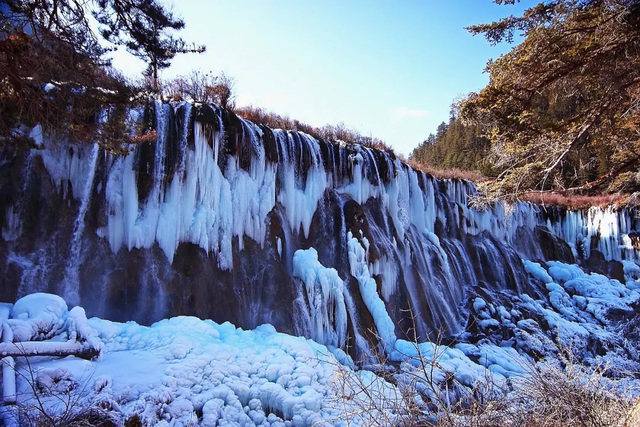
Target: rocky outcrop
206, 221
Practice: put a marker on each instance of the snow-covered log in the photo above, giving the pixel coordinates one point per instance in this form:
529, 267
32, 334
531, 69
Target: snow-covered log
56, 349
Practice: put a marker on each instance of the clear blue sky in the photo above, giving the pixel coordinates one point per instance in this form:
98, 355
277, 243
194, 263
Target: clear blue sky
386, 68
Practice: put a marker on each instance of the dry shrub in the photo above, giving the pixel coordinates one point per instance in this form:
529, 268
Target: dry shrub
58, 400
558, 393
268, 118
201, 87
566, 393
372, 400
573, 202
45, 81
333, 133
453, 173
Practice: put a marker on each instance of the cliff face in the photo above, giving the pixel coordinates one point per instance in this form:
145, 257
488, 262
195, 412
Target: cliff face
223, 219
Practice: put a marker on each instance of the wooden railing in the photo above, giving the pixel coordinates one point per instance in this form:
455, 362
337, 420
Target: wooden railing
9, 350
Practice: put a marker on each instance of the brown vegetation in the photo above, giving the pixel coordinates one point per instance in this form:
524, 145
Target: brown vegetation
572, 202
334, 133
452, 173
54, 73
556, 393
201, 87
51, 84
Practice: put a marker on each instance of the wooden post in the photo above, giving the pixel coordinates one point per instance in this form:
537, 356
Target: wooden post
10, 349
8, 369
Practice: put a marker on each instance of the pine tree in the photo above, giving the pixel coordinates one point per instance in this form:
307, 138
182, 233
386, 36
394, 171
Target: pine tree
562, 108
53, 68
455, 146
146, 29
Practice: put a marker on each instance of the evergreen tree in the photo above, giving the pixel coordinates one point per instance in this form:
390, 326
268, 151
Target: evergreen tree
562, 108
53, 69
455, 146
145, 28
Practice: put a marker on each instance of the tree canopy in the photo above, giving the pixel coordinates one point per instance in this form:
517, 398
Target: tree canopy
562, 108
53, 65
455, 146
144, 27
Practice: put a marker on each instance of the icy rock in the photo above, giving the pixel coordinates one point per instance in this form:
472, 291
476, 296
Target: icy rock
537, 271
38, 316
631, 269
211, 412
180, 408
55, 382
479, 304
561, 272
79, 330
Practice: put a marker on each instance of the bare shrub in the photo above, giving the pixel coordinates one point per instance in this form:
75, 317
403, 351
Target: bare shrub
334, 133
565, 392
55, 399
569, 201
261, 116
419, 391
201, 87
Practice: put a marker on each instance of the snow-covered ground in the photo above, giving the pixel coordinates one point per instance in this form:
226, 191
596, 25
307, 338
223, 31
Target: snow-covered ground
187, 371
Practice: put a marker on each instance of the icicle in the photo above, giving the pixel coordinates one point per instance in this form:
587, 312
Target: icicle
324, 290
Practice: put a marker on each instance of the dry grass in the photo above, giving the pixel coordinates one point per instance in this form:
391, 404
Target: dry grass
572, 202
453, 173
566, 393
334, 133
561, 392
58, 400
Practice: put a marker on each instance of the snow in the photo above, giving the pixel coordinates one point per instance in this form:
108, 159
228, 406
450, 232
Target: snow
537, 271
188, 365
48, 87
186, 370
561, 272
5, 310
593, 293
479, 304
37, 134
38, 316
8, 367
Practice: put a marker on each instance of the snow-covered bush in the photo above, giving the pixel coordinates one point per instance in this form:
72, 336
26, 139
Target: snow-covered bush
38, 316
56, 399
421, 391
565, 392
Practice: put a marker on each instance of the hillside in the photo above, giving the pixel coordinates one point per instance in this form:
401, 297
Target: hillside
455, 146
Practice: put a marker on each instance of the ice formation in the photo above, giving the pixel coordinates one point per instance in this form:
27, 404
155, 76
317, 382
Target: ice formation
342, 244
324, 291
186, 370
